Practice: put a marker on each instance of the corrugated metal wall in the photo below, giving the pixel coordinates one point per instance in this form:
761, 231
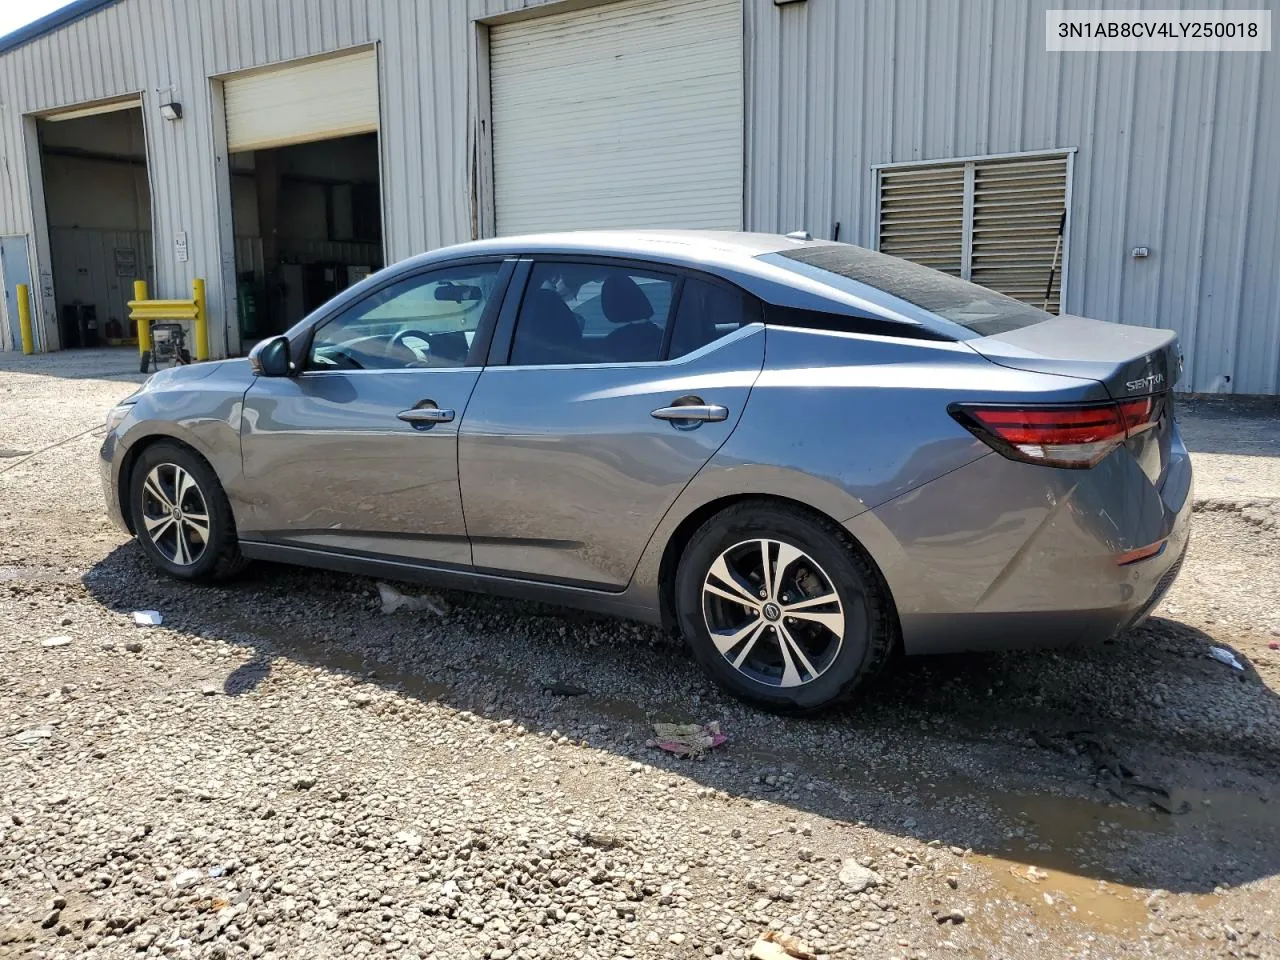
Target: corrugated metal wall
1176, 152
169, 50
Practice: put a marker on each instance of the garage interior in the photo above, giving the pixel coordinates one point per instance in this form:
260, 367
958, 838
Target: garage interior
98, 201
307, 226
306, 196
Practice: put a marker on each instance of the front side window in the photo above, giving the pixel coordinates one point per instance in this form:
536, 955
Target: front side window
576, 313
425, 320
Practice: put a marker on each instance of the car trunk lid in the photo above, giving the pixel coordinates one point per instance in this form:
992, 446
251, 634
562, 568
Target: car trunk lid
1128, 361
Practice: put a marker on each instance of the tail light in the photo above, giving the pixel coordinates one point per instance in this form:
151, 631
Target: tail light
1075, 436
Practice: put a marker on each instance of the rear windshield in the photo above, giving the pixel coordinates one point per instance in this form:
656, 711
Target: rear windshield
975, 308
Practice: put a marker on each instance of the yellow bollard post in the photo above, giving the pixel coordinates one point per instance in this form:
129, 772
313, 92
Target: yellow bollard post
24, 319
202, 320
144, 329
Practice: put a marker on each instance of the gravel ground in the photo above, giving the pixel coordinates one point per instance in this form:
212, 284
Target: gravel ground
281, 770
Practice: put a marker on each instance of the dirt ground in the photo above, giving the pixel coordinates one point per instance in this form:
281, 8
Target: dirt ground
282, 770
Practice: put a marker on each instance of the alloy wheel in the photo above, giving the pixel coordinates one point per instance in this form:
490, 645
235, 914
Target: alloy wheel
773, 613
175, 515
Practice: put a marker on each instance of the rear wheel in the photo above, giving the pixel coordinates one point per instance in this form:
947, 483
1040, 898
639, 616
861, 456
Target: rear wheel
781, 607
181, 515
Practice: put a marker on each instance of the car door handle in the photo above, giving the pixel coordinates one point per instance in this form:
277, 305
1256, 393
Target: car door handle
425, 415
702, 412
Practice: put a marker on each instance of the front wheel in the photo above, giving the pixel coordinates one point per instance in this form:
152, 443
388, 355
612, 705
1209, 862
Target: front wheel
181, 515
781, 608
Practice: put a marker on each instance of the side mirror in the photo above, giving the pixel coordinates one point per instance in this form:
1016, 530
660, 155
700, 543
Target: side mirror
270, 358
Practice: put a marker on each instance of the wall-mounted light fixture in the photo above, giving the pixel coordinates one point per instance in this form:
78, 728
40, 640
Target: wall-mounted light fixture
171, 111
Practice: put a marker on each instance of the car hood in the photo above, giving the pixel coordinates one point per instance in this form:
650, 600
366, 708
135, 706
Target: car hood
171, 378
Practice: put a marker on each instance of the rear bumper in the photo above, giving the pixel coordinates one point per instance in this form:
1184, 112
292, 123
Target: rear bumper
1002, 555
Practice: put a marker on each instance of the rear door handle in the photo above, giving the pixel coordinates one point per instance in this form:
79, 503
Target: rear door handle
701, 412
424, 416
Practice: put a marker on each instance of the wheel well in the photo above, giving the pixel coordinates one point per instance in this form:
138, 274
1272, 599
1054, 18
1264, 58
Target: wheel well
690, 524
131, 458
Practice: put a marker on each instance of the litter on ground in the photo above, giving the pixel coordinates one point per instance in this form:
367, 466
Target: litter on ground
687, 739
148, 618
1225, 656
393, 600
776, 945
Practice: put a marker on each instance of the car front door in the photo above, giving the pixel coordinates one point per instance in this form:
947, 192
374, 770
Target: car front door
359, 451
609, 386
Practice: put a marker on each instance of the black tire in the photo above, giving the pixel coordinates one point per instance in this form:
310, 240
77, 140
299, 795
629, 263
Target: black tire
869, 621
220, 556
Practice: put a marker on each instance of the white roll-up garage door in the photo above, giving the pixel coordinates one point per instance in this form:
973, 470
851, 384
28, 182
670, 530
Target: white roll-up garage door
300, 103
623, 115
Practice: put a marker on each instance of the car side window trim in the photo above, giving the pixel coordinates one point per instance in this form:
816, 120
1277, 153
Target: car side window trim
517, 290
673, 311
484, 330
503, 337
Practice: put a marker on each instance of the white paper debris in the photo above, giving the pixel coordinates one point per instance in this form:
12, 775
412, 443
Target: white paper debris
1225, 656
393, 600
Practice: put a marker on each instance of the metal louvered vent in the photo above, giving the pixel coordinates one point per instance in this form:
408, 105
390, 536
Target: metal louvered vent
922, 216
999, 222
1017, 213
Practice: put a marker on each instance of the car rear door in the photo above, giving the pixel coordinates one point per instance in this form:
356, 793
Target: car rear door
358, 453
610, 384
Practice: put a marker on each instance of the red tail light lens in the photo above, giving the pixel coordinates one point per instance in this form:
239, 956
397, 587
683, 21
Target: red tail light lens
1075, 436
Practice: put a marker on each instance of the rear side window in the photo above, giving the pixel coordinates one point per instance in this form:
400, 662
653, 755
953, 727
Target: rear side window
982, 311
576, 313
707, 312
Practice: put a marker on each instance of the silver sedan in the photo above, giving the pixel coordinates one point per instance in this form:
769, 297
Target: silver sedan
801, 455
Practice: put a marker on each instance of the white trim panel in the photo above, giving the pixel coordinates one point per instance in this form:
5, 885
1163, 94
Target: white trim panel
302, 103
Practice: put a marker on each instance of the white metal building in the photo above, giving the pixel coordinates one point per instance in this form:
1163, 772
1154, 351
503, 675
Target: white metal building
280, 149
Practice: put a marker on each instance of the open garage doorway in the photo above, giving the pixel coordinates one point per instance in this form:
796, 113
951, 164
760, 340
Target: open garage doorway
93, 163
302, 142
308, 225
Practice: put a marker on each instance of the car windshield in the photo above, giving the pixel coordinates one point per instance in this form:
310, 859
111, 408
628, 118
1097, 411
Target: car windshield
975, 308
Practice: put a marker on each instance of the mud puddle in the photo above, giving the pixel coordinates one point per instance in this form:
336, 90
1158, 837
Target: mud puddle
1090, 860
1064, 866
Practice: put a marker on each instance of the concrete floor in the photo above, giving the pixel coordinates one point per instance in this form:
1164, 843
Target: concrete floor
1235, 443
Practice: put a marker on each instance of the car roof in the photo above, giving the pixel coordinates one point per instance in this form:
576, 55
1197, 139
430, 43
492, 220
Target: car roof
721, 248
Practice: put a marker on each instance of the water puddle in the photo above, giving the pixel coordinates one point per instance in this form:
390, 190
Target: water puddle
1063, 867
1088, 860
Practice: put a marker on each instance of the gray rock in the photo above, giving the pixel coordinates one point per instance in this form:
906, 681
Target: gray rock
857, 877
